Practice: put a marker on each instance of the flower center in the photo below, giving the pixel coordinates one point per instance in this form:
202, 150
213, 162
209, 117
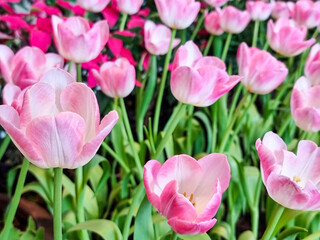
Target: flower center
190, 198
296, 179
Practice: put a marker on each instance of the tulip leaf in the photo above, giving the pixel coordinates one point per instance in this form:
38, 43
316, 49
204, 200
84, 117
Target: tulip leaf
208, 129
143, 227
10, 180
107, 229
247, 235
195, 237
291, 231
221, 229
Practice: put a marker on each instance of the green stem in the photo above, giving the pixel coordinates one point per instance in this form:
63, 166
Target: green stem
255, 221
4, 145
284, 125
273, 222
226, 47
189, 129
86, 15
174, 235
171, 127
69, 66
79, 73
255, 33
214, 112
313, 236
116, 157
199, 23
123, 21
206, 51
57, 218
15, 201
130, 137
162, 85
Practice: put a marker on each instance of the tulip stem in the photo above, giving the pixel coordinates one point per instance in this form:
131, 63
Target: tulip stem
79, 75
162, 85
268, 234
174, 236
5, 143
123, 21
255, 33
57, 218
116, 157
130, 137
15, 201
209, 43
189, 129
199, 23
226, 47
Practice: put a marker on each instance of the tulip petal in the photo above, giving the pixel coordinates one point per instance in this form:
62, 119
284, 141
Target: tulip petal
10, 93
5, 62
187, 227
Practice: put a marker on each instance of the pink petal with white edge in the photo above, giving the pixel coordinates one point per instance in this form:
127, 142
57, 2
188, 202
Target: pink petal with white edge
90, 148
53, 60
308, 119
10, 93
58, 139
191, 228
9, 120
186, 55
5, 62
79, 98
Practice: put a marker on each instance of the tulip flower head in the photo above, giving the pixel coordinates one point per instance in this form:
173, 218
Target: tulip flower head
59, 122
312, 67
282, 9
306, 13
177, 14
305, 105
198, 80
157, 38
234, 20
212, 23
116, 79
76, 41
291, 180
186, 191
286, 38
129, 6
261, 72
259, 10
93, 5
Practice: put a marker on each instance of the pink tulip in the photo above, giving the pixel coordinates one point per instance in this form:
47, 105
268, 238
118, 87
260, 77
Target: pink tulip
178, 14
305, 105
26, 66
262, 73
212, 23
186, 191
116, 79
312, 67
76, 41
291, 180
286, 38
129, 6
93, 5
157, 38
282, 9
307, 13
59, 123
234, 20
259, 10
216, 3
198, 80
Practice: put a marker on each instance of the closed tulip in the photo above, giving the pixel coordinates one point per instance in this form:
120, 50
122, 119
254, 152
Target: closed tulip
305, 105
198, 80
129, 6
234, 20
212, 23
261, 72
116, 79
59, 123
291, 180
286, 38
312, 67
93, 5
259, 10
76, 40
178, 14
157, 38
26, 66
282, 9
306, 13
186, 191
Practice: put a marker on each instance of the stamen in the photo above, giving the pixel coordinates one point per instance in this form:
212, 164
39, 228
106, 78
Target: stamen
185, 194
191, 197
296, 179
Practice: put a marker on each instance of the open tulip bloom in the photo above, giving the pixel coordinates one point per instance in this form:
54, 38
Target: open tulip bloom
186, 191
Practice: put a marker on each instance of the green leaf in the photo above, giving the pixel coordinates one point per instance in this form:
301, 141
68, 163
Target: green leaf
143, 227
10, 180
287, 215
247, 235
107, 229
195, 237
291, 231
253, 183
221, 229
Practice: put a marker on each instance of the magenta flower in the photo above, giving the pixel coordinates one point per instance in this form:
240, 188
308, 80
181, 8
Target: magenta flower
259, 10
291, 180
216, 3
286, 38
59, 123
26, 66
305, 105
306, 13
178, 14
93, 5
198, 80
186, 191
234, 20
76, 41
312, 67
262, 73
212, 23
116, 79
157, 38
129, 6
